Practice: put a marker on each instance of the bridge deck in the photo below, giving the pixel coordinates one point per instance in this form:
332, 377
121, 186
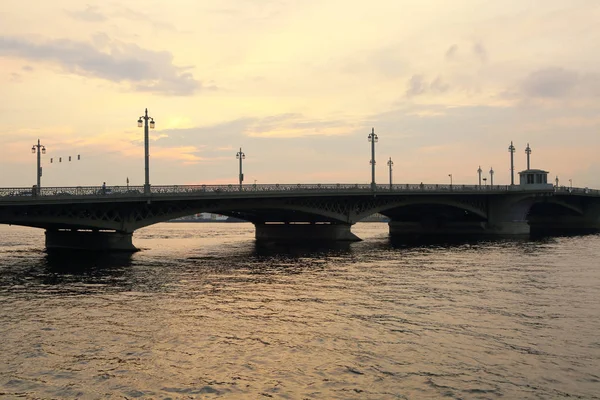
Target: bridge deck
19, 195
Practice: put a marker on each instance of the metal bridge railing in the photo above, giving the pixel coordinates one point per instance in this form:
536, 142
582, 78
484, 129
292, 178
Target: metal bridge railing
13, 194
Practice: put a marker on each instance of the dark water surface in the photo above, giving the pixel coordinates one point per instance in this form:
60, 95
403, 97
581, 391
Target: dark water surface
203, 312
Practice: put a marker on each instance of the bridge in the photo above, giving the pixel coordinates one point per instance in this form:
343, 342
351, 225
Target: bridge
106, 218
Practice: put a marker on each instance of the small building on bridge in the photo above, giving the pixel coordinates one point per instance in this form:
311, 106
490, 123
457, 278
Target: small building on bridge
534, 179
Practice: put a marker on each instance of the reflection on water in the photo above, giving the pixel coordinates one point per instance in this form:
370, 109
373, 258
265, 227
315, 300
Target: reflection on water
313, 249
206, 312
83, 262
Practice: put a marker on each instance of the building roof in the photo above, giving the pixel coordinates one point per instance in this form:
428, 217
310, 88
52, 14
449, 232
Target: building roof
533, 171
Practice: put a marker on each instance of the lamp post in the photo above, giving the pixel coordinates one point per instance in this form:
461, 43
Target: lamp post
528, 152
240, 156
373, 139
571, 183
556, 180
479, 171
40, 149
511, 150
146, 122
128, 184
491, 176
450, 175
390, 163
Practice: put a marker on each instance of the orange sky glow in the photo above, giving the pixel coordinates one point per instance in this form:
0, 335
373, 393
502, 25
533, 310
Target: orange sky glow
298, 84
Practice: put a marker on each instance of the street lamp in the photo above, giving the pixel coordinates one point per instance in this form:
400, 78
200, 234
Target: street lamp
40, 149
571, 183
143, 121
373, 139
240, 156
450, 175
479, 171
390, 163
511, 150
528, 152
491, 176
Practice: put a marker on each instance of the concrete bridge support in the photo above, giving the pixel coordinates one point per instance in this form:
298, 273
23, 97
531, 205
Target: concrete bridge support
89, 240
304, 232
507, 216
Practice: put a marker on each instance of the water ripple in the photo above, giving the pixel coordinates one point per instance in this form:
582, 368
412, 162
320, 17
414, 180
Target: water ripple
205, 312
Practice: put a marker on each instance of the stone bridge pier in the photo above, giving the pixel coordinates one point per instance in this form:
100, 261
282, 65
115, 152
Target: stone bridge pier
304, 231
89, 240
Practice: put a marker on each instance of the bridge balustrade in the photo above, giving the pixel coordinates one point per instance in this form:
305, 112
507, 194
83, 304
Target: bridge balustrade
12, 194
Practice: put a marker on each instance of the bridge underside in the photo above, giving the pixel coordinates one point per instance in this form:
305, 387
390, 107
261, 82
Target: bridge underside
547, 219
273, 224
110, 224
507, 217
434, 219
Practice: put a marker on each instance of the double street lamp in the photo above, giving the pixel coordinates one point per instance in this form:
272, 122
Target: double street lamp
146, 122
373, 139
241, 156
40, 149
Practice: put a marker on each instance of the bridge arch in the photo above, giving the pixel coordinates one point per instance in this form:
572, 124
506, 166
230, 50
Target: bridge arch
255, 211
475, 208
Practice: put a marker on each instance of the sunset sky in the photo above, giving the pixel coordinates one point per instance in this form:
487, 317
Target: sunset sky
298, 84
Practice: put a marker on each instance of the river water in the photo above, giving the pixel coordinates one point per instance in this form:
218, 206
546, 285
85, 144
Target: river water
204, 312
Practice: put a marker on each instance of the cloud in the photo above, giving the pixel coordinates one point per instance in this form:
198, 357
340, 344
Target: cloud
141, 16
93, 14
451, 52
550, 82
297, 125
89, 14
480, 52
144, 70
418, 85
15, 77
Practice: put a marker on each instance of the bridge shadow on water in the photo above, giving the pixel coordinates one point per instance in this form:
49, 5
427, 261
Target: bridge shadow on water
448, 241
528, 243
78, 262
300, 249
50, 270
315, 249
84, 266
